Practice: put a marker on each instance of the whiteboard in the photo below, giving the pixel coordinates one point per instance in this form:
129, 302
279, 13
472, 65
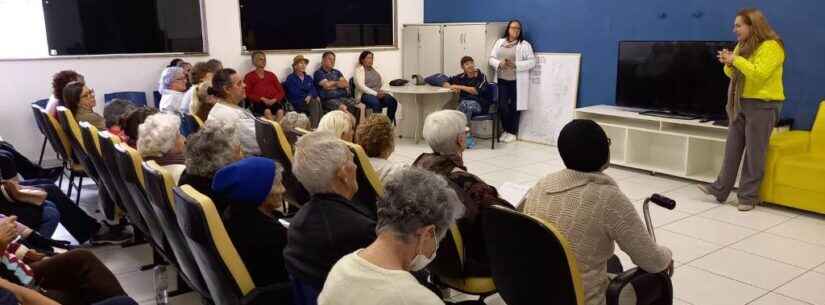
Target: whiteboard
554, 85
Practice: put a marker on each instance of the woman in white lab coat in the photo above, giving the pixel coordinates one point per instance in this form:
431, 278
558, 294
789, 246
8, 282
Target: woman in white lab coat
512, 58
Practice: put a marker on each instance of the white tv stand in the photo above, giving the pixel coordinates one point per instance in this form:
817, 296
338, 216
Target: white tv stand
681, 148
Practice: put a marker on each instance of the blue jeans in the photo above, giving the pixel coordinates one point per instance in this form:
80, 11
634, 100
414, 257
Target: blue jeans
51, 217
378, 104
470, 108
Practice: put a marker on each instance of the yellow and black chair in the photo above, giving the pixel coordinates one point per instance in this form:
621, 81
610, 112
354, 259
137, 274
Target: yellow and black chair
274, 145
128, 163
54, 134
370, 187
159, 185
89, 135
448, 267
72, 131
533, 263
193, 121
40, 126
225, 274
109, 154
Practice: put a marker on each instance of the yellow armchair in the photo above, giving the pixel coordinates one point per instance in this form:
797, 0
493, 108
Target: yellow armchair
795, 168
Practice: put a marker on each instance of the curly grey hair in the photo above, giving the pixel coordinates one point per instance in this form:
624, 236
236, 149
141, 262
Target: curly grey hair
211, 148
115, 110
318, 156
441, 130
168, 76
292, 120
157, 135
415, 198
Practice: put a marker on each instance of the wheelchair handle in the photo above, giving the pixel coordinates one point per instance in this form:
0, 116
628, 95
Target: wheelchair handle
661, 201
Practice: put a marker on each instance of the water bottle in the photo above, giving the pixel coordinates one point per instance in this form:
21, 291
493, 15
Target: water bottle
161, 286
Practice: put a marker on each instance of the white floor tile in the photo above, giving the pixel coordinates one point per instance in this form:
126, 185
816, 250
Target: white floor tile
684, 248
820, 269
497, 178
620, 173
690, 200
636, 191
787, 250
541, 169
141, 285
698, 286
781, 210
511, 161
627, 263
125, 260
776, 299
661, 184
680, 302
659, 215
756, 219
809, 287
710, 230
748, 268
481, 167
803, 228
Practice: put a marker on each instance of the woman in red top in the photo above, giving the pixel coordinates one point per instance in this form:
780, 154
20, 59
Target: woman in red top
263, 90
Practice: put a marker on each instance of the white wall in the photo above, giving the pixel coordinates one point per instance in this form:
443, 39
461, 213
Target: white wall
30, 80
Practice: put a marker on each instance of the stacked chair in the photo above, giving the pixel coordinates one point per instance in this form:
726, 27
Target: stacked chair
369, 185
86, 169
274, 145
40, 126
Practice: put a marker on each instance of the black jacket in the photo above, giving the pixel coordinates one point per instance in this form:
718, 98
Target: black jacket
260, 242
203, 185
324, 230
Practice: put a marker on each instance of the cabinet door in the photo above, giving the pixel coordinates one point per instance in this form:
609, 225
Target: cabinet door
409, 51
475, 41
429, 50
455, 47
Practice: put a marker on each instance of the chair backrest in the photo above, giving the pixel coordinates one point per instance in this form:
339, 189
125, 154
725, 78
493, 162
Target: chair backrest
72, 129
195, 123
490, 92
89, 135
449, 261
818, 131
529, 257
159, 185
128, 162
274, 145
157, 96
108, 150
135, 97
37, 119
55, 135
220, 264
370, 187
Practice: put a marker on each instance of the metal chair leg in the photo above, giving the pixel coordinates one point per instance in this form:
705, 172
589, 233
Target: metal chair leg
71, 184
79, 187
42, 151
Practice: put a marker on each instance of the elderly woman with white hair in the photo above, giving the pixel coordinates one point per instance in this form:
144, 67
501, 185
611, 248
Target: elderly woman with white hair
207, 151
172, 85
329, 225
290, 122
446, 133
159, 139
414, 214
340, 123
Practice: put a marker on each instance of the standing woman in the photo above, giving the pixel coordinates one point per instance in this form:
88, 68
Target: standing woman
755, 97
512, 58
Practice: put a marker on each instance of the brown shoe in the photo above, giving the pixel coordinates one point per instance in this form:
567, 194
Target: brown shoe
745, 206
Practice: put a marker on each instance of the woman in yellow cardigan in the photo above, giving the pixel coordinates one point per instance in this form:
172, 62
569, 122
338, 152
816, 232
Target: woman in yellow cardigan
755, 97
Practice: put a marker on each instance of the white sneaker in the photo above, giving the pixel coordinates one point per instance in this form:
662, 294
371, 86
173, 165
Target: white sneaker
503, 137
510, 138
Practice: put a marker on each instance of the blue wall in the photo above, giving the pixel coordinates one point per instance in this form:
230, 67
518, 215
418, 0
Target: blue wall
594, 27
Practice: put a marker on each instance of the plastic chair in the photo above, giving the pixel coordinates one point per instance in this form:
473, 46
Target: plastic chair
135, 97
274, 145
89, 135
225, 274
448, 268
72, 131
42, 104
370, 187
57, 139
108, 150
491, 94
157, 96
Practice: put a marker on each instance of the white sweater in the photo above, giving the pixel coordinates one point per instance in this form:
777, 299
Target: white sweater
170, 101
354, 280
244, 124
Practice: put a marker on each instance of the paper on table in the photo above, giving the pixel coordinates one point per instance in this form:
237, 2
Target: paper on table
513, 193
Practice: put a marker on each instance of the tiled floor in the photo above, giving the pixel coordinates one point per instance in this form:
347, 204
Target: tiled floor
769, 256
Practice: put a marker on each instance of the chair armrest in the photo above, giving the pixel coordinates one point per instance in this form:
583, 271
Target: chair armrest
617, 284
280, 293
790, 142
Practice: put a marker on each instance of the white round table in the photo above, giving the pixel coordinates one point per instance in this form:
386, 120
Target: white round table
418, 101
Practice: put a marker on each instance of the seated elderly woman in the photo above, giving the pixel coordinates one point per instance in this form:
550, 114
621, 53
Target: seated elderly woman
59, 81
377, 138
290, 122
589, 209
207, 151
113, 113
415, 213
131, 123
446, 133
254, 188
340, 123
80, 100
329, 225
172, 85
160, 140
228, 89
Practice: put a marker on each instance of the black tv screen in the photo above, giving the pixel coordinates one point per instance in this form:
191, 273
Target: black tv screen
676, 76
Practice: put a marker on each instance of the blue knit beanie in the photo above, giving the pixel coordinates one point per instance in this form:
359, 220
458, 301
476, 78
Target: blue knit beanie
247, 181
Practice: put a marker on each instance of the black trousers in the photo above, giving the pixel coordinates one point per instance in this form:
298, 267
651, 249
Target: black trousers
13, 162
77, 222
258, 108
507, 100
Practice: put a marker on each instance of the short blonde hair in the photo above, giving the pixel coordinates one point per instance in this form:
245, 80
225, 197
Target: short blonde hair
336, 122
442, 128
157, 135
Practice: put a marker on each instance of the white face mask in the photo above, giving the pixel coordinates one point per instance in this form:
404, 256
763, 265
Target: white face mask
420, 261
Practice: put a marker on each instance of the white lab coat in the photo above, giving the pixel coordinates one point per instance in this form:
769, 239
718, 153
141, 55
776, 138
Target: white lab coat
525, 61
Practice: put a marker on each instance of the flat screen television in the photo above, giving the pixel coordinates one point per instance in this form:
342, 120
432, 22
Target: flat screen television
682, 78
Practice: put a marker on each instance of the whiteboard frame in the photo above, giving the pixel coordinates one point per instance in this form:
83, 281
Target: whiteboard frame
575, 101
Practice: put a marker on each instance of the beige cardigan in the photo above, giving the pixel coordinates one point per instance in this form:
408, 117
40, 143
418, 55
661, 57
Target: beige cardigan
593, 214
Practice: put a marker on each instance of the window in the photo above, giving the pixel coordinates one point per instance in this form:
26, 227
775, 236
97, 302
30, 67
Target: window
316, 24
